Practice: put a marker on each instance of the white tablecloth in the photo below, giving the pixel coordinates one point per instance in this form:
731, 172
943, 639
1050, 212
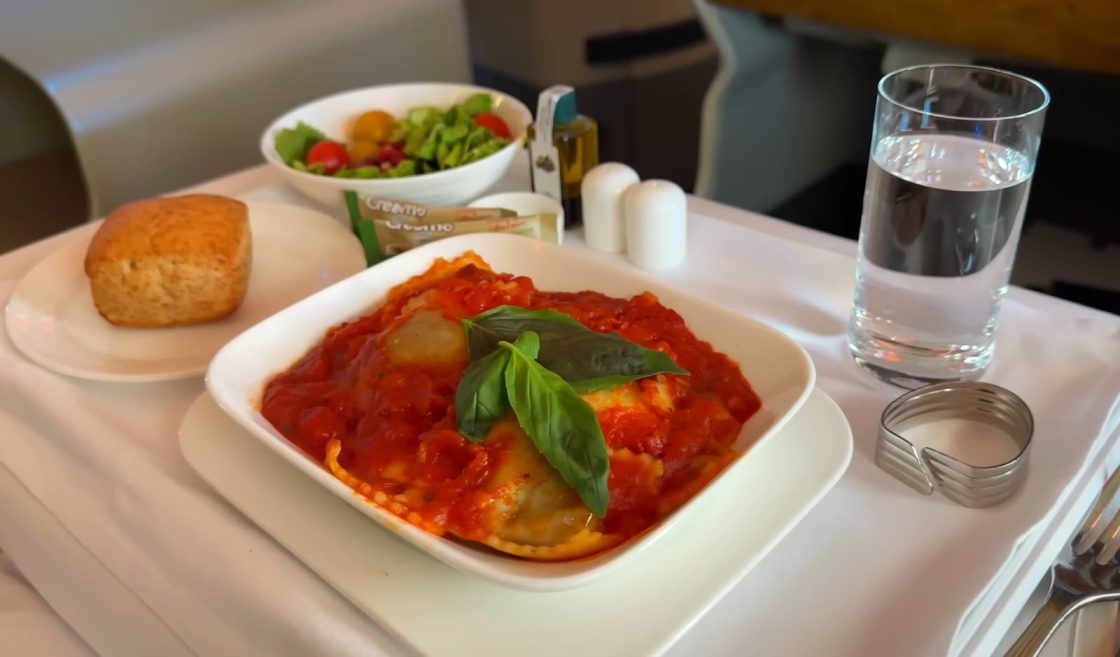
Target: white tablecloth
27, 625
101, 514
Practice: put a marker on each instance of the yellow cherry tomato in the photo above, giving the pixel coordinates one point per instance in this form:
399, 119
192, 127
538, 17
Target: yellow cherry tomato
361, 151
375, 126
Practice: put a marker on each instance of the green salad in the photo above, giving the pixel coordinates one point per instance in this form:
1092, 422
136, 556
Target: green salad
427, 139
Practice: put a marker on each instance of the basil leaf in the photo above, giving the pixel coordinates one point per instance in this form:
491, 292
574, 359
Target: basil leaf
480, 399
561, 425
528, 344
600, 361
586, 359
485, 330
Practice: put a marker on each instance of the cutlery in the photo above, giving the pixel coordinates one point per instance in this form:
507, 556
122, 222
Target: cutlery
1091, 575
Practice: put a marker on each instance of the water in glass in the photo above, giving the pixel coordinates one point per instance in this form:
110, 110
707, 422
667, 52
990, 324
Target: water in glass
942, 216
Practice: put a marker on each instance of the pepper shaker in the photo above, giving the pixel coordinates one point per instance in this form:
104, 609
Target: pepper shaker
604, 227
656, 213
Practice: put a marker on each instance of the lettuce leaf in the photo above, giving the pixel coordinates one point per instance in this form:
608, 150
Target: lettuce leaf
292, 144
477, 104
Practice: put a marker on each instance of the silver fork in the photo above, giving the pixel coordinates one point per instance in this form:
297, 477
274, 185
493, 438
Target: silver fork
1091, 575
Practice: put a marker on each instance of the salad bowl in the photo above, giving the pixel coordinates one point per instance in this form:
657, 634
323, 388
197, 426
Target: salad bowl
335, 115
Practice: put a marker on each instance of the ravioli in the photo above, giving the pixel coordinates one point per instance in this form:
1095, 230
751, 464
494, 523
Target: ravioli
374, 402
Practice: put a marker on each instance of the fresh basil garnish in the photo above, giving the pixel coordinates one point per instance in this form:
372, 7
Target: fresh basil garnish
562, 426
584, 358
480, 399
537, 362
485, 330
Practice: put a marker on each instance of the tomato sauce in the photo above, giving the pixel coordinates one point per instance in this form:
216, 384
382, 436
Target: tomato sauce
397, 426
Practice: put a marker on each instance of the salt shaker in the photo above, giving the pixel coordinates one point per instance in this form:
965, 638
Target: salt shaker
604, 227
656, 213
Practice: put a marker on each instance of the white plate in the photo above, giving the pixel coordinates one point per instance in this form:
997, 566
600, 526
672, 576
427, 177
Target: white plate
438, 611
51, 318
777, 367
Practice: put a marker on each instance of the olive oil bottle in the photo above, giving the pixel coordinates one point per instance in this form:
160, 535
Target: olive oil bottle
564, 147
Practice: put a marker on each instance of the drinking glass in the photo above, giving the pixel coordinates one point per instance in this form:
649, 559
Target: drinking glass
952, 154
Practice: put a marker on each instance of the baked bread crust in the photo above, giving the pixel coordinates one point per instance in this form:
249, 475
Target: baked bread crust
171, 261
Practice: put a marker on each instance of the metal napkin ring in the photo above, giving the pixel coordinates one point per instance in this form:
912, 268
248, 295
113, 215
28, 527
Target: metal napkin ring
930, 469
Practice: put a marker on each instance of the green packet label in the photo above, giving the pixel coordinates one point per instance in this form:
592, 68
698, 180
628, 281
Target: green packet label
386, 227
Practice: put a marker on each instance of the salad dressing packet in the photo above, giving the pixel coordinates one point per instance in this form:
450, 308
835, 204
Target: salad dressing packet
386, 227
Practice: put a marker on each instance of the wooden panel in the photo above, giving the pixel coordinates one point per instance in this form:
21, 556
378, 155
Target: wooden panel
1079, 34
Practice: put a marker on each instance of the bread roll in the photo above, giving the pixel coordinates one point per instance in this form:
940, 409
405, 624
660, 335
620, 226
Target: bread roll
171, 261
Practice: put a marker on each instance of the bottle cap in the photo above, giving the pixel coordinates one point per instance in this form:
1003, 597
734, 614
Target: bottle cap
566, 107
556, 104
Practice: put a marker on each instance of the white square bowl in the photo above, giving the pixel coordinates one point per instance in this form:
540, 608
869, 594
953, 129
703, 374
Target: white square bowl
778, 369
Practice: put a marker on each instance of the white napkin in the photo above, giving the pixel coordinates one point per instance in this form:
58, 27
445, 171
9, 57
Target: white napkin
873, 566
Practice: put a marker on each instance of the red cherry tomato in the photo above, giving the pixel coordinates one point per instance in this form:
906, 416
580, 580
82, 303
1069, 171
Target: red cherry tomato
329, 155
494, 124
